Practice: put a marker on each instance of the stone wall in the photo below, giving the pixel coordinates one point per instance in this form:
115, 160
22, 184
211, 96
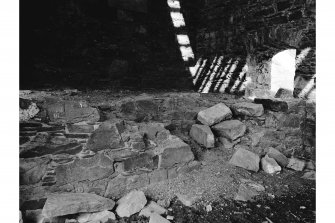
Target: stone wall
253, 32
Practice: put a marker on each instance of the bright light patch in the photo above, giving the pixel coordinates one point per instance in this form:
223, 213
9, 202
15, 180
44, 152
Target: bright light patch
309, 86
239, 79
197, 68
177, 19
212, 73
302, 56
174, 4
186, 53
283, 71
183, 39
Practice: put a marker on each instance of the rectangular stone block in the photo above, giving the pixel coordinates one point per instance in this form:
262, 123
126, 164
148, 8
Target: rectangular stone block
214, 114
203, 135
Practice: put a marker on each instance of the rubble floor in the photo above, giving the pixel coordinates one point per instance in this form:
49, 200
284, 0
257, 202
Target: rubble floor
287, 197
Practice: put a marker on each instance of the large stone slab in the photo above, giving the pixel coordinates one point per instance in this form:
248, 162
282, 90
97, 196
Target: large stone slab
231, 129
174, 151
92, 168
71, 111
203, 135
215, 114
107, 136
248, 109
245, 159
131, 203
72, 203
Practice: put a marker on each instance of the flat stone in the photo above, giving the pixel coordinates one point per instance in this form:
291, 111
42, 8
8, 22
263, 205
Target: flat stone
107, 136
174, 151
116, 187
281, 159
296, 164
71, 148
79, 128
158, 175
231, 129
248, 109
144, 160
186, 200
72, 203
272, 104
310, 175
269, 165
32, 170
151, 208
246, 193
93, 168
215, 114
131, 203
102, 216
245, 159
310, 165
156, 218
203, 135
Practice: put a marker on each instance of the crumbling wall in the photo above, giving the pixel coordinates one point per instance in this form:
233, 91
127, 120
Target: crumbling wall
254, 31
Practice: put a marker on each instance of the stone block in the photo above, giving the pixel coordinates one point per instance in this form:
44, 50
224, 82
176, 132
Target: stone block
107, 136
269, 165
203, 135
214, 114
92, 168
231, 129
151, 208
144, 160
73, 203
278, 156
32, 170
174, 151
296, 164
245, 159
116, 187
131, 203
248, 109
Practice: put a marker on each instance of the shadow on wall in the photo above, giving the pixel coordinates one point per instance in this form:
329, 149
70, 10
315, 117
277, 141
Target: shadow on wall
220, 75
229, 74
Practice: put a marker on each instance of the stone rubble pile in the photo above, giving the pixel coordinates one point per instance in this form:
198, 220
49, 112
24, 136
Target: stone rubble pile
91, 208
112, 149
227, 125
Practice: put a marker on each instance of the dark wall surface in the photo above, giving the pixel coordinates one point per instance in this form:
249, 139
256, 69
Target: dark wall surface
97, 44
